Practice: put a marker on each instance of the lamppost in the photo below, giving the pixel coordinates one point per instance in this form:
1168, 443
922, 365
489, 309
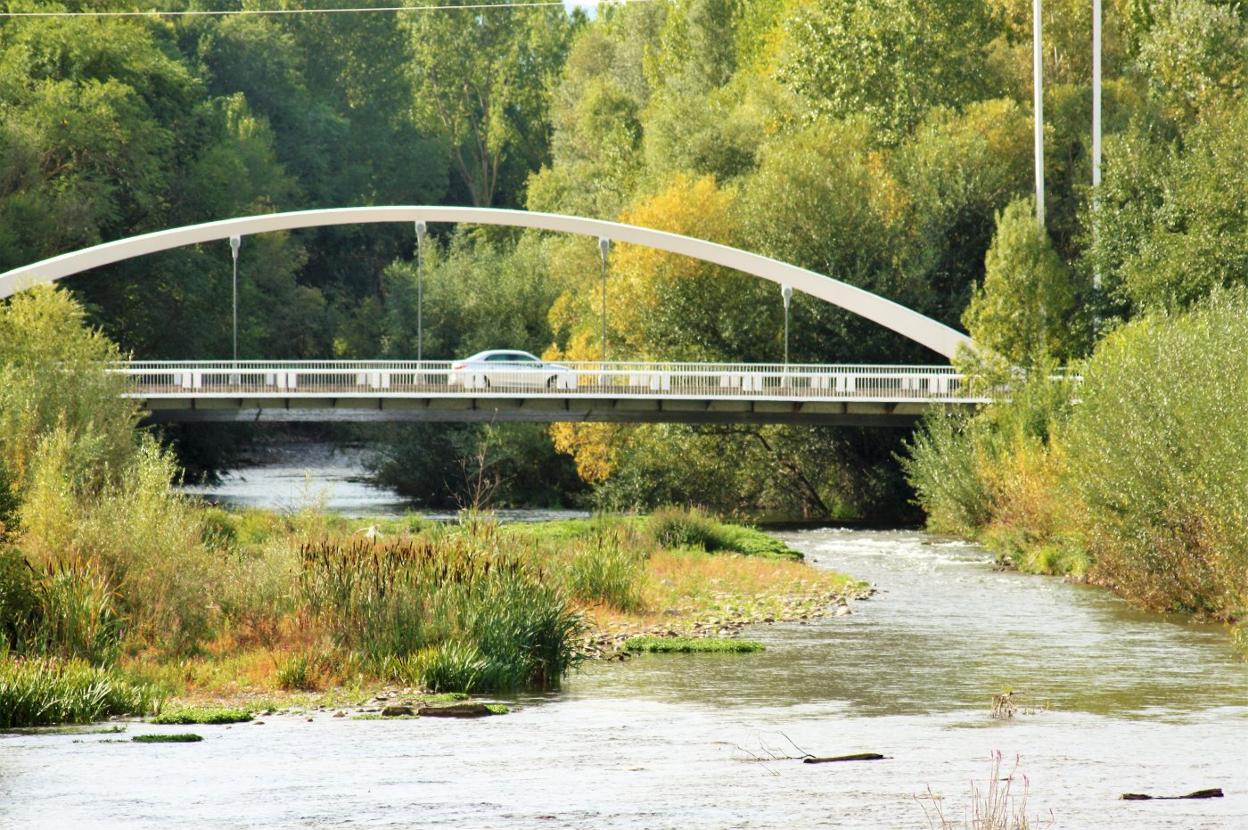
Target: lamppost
235, 243
421, 228
786, 293
1037, 72
604, 247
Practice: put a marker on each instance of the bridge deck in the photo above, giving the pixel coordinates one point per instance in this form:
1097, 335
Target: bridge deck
566, 391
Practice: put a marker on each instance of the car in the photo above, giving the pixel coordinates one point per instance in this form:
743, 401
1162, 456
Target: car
509, 369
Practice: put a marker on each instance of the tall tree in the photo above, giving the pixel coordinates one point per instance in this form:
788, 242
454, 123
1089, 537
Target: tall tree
482, 79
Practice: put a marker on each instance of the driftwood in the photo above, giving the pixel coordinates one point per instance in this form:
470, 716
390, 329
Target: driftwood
1216, 792
861, 756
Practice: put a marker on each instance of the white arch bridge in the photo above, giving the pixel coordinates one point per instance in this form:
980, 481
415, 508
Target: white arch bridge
565, 391
432, 390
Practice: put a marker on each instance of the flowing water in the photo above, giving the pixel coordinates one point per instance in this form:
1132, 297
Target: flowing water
1136, 703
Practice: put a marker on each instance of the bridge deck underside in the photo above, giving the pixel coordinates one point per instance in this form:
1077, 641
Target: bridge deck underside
496, 407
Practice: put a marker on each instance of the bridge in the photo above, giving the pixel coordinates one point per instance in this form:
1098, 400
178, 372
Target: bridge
600, 391
707, 393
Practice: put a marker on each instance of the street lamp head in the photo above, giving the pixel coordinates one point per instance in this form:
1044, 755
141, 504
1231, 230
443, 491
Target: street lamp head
604, 246
235, 243
786, 292
421, 228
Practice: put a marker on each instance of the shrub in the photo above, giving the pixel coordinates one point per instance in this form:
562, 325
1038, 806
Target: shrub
77, 615
1157, 460
47, 692
18, 603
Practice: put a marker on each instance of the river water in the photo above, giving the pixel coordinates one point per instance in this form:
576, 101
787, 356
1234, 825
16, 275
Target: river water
1136, 703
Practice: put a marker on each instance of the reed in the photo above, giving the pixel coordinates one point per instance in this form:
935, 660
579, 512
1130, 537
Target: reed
456, 611
47, 692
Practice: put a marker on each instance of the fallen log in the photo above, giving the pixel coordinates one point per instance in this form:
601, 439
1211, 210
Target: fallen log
861, 756
1215, 792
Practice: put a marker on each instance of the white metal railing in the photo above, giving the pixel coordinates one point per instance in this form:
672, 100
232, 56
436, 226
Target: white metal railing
444, 378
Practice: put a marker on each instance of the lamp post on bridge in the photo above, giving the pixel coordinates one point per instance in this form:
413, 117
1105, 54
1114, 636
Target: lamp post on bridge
604, 248
235, 243
421, 228
786, 293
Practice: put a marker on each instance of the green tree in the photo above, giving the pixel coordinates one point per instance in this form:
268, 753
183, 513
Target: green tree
888, 60
1025, 310
468, 86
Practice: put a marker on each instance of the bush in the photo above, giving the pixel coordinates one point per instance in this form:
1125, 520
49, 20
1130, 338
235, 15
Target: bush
47, 692
1157, 460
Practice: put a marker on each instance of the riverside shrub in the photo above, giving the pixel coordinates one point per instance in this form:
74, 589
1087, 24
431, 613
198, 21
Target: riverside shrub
46, 692
1157, 460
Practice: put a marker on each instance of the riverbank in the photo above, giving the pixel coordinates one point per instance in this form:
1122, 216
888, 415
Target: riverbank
314, 610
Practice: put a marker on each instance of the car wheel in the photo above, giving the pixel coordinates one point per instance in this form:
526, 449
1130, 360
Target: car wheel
552, 382
486, 381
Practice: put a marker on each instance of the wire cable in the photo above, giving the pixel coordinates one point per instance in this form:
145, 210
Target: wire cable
518, 4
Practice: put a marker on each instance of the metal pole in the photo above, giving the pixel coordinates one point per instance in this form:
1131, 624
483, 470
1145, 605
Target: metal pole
786, 292
604, 247
1038, 105
235, 243
420, 291
1096, 125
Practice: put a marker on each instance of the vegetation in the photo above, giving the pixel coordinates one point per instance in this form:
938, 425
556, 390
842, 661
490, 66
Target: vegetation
117, 590
39, 692
168, 738
690, 645
211, 715
1140, 485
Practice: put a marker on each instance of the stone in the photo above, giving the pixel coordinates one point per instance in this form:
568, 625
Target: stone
396, 710
455, 710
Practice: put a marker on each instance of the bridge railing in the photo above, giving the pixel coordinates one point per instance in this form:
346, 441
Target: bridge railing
558, 379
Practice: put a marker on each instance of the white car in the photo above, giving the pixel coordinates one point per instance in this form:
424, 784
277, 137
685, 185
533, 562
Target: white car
509, 369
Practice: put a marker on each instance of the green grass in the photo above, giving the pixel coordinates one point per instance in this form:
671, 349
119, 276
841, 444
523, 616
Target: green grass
209, 715
676, 527
690, 645
49, 692
175, 738
498, 708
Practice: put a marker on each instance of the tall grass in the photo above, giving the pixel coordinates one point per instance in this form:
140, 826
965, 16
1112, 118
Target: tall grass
674, 527
459, 612
46, 692
607, 566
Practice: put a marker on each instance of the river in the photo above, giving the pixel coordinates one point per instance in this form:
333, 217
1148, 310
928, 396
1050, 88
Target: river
1137, 703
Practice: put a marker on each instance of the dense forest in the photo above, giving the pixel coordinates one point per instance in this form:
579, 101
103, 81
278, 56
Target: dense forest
886, 143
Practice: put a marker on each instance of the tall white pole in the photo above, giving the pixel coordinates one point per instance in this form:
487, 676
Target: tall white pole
786, 294
604, 247
235, 243
1096, 124
1037, 49
420, 291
